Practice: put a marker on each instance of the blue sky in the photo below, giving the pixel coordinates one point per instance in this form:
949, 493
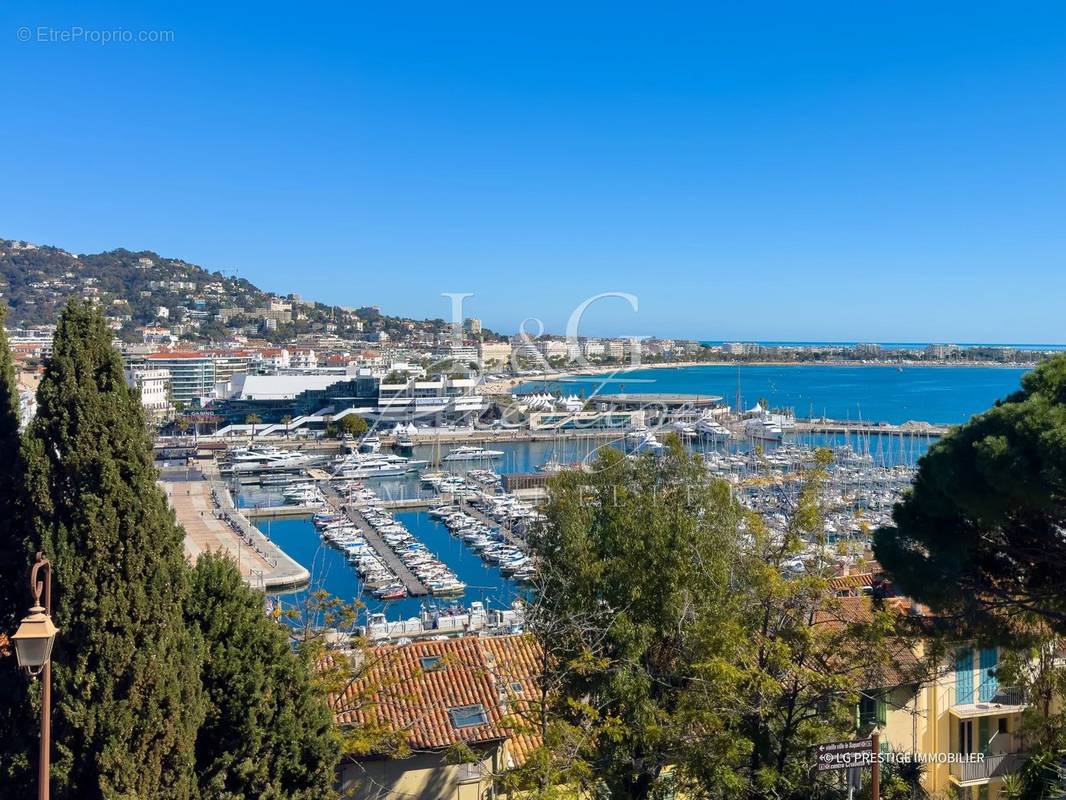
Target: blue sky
831, 171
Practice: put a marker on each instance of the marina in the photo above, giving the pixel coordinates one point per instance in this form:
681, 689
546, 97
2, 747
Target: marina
429, 520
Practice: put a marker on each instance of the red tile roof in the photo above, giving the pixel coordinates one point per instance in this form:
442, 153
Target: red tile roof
842, 583
496, 672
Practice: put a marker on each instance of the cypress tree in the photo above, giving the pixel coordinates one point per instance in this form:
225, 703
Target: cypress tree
127, 695
16, 720
268, 732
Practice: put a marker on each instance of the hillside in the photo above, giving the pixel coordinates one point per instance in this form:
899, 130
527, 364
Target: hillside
138, 289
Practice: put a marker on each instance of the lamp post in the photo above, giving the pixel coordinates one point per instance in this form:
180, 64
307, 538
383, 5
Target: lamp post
33, 648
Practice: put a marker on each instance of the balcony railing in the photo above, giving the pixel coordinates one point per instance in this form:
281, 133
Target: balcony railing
994, 765
1004, 696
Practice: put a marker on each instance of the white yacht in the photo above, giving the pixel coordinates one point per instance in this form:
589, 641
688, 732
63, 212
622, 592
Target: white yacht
252, 459
470, 453
707, 427
376, 465
370, 443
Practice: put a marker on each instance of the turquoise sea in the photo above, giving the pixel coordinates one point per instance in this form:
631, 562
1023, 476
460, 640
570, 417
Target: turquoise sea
873, 393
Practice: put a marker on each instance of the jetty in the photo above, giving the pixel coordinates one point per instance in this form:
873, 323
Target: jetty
414, 586
911, 428
275, 512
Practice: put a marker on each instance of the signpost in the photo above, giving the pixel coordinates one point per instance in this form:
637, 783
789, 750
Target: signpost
851, 755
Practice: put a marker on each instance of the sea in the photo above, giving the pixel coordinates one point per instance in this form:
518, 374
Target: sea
947, 395
936, 394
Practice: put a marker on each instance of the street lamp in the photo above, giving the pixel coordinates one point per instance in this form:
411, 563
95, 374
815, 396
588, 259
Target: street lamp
34, 640
33, 648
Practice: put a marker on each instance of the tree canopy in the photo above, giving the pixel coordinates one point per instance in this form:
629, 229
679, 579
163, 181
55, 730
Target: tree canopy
128, 702
980, 535
679, 654
169, 683
268, 732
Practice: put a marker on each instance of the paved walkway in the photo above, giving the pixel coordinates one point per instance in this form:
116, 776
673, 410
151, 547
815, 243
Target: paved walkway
221, 528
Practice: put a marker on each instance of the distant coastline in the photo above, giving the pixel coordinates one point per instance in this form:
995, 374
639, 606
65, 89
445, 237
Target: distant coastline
508, 385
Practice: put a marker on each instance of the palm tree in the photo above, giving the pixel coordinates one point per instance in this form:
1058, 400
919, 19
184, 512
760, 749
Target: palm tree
253, 420
286, 421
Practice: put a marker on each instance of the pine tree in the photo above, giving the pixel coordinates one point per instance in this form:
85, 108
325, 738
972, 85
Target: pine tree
127, 695
16, 721
268, 732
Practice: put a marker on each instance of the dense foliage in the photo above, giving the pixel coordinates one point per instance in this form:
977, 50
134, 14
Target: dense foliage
16, 721
679, 657
127, 699
168, 682
268, 732
979, 537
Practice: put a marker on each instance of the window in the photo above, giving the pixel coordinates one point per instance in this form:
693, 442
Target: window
516, 688
872, 710
468, 716
430, 663
469, 772
1003, 725
966, 736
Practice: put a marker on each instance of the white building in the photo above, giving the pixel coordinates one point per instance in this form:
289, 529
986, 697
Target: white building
154, 386
552, 348
272, 359
303, 358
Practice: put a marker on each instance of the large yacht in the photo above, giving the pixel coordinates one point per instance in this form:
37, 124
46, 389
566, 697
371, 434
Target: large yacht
376, 465
252, 459
707, 427
470, 453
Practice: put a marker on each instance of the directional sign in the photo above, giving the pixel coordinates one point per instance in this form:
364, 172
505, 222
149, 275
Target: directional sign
844, 755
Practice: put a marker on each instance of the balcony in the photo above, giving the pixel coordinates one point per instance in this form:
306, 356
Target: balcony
994, 765
1007, 700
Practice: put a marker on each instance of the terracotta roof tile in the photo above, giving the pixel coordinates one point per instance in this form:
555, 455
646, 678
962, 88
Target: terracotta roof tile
859, 580
497, 673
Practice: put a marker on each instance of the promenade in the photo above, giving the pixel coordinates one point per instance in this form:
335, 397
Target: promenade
213, 524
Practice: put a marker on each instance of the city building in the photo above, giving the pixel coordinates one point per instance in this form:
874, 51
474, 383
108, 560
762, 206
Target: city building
32, 342
494, 354
194, 374
390, 397
154, 388
303, 358
552, 349
959, 708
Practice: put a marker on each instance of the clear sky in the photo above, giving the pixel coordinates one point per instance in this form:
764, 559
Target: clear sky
804, 171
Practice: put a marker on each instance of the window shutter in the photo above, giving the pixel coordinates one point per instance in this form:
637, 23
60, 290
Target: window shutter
964, 676
989, 686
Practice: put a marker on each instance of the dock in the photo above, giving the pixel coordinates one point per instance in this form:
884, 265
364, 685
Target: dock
213, 524
275, 512
414, 587
511, 537
872, 428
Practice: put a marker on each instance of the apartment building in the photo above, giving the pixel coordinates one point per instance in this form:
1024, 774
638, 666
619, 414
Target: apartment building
195, 373
154, 388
